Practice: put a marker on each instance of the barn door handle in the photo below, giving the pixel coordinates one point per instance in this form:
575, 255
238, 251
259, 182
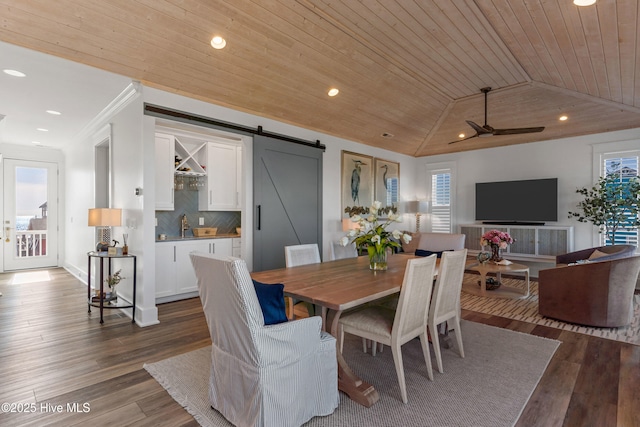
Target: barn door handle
259, 215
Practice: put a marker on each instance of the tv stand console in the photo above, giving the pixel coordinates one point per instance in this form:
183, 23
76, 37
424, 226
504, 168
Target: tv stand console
539, 224
532, 242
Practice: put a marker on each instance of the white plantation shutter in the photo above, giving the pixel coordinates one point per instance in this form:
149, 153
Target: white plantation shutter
441, 197
441, 203
624, 166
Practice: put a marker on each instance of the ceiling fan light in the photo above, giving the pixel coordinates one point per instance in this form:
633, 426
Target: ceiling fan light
584, 2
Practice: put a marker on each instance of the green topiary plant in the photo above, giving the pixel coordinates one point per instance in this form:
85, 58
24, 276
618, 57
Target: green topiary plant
611, 204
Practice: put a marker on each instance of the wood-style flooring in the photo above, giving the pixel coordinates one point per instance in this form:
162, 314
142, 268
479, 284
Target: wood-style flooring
52, 352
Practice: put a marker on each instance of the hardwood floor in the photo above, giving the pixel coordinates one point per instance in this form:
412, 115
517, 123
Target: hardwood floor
52, 352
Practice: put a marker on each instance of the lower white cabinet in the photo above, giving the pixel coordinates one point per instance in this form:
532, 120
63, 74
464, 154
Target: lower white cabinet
236, 247
531, 242
174, 272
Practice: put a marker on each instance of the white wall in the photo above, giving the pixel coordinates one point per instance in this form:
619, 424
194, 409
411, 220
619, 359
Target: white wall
127, 167
570, 160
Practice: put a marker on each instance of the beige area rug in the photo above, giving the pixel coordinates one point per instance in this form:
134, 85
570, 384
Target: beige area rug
526, 310
489, 387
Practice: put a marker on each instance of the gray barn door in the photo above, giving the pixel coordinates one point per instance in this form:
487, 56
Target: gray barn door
287, 199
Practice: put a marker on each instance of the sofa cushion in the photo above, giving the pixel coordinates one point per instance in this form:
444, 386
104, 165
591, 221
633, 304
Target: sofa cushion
438, 242
271, 299
422, 252
597, 254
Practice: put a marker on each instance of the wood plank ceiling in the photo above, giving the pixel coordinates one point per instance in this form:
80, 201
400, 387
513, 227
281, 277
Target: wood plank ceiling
409, 68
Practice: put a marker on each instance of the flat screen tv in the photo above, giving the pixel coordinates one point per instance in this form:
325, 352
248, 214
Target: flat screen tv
532, 201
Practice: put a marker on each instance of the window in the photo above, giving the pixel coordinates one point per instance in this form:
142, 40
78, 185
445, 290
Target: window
441, 197
623, 166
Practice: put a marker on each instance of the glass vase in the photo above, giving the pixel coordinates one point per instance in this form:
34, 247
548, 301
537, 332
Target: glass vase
378, 261
496, 255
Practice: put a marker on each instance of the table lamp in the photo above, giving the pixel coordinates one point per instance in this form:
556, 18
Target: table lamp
418, 208
347, 224
104, 219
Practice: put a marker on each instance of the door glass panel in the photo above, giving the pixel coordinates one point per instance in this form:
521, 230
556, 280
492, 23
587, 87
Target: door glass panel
31, 212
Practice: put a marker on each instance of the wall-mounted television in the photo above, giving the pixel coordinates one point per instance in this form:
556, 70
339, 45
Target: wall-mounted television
532, 201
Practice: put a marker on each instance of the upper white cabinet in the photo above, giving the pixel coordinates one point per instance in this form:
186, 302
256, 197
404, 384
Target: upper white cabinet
221, 191
165, 153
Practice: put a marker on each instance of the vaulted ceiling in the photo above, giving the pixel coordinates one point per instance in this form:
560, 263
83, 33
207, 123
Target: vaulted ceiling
409, 71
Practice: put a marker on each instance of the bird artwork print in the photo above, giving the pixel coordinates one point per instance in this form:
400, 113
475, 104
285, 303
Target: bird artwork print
384, 175
355, 180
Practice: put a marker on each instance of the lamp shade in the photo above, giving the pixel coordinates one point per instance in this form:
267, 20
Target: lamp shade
347, 224
103, 217
416, 206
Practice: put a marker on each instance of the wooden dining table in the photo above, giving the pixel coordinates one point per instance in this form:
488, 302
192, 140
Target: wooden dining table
336, 286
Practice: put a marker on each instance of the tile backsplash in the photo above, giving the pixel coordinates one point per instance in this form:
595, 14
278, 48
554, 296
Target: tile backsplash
186, 202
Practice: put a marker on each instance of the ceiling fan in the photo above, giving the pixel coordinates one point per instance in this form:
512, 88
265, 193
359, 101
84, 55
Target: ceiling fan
486, 130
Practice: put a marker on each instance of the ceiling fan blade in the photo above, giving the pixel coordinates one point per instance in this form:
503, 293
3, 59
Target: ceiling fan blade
464, 139
516, 131
479, 129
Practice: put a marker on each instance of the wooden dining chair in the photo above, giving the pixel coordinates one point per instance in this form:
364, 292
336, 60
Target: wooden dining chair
294, 256
397, 327
445, 303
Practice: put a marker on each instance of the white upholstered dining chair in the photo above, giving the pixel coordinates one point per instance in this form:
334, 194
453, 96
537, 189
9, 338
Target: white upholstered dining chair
445, 303
396, 327
294, 256
281, 374
342, 252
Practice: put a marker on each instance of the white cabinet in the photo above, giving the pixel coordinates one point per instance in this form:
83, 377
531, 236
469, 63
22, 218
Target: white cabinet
236, 250
530, 242
222, 187
174, 272
164, 154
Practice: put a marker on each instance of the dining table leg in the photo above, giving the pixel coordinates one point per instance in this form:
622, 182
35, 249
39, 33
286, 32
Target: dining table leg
348, 382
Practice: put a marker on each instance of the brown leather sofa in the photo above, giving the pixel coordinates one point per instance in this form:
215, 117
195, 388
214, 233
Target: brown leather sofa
598, 293
605, 253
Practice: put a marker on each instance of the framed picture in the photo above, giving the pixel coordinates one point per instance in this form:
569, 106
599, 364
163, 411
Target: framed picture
387, 182
356, 180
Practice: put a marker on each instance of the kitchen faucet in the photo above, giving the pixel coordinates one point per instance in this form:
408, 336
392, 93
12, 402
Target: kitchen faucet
184, 225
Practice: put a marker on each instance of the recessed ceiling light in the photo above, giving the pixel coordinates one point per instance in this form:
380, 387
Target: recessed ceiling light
584, 2
54, 112
36, 142
462, 135
43, 130
563, 118
15, 73
218, 42
333, 91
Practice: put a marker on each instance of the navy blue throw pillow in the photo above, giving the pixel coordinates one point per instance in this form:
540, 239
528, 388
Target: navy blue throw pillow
422, 252
271, 299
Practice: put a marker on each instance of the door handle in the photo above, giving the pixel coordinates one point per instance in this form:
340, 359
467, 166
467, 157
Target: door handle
8, 233
259, 215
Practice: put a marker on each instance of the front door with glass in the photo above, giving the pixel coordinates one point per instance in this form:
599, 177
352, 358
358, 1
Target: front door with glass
30, 217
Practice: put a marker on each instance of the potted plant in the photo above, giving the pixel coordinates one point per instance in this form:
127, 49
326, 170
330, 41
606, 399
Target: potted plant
373, 236
611, 204
112, 281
